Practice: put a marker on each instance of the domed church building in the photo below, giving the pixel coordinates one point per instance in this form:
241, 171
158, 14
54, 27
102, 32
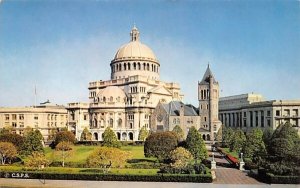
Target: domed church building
125, 102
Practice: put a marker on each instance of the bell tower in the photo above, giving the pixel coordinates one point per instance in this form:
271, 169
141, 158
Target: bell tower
208, 97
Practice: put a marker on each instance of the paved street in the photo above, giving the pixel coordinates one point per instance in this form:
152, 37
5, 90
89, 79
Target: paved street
33, 183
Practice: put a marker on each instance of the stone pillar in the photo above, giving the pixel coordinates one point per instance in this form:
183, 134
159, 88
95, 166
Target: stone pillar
213, 162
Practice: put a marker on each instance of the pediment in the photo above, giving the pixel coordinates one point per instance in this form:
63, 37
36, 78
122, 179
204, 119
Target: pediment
160, 90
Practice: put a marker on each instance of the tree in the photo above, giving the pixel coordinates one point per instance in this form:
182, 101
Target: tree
67, 136
219, 136
107, 157
160, 145
180, 158
110, 139
64, 151
15, 139
179, 132
255, 146
283, 151
227, 136
143, 134
86, 135
7, 151
284, 142
237, 141
267, 136
196, 145
32, 142
37, 160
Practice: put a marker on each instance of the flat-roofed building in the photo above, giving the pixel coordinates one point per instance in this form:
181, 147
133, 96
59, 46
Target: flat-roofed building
47, 118
248, 111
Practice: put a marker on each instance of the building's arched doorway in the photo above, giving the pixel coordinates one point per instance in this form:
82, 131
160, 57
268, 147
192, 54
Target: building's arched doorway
130, 136
124, 136
119, 135
96, 136
203, 136
208, 137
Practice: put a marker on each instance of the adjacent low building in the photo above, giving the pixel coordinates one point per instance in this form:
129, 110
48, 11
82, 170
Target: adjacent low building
47, 118
248, 111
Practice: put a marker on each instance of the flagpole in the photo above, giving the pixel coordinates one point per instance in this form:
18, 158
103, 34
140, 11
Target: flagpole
34, 95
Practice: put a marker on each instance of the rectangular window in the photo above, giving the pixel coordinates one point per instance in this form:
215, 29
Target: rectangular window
6, 116
14, 124
268, 113
277, 113
295, 112
85, 117
36, 116
245, 114
21, 124
245, 122
269, 122
21, 117
14, 116
262, 118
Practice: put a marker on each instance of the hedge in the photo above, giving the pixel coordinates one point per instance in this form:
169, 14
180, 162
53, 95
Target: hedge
207, 178
270, 178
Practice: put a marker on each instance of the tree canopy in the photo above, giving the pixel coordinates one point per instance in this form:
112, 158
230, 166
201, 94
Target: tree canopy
110, 139
32, 142
86, 135
64, 151
160, 144
237, 141
16, 139
143, 134
179, 132
7, 151
107, 157
66, 136
255, 145
195, 144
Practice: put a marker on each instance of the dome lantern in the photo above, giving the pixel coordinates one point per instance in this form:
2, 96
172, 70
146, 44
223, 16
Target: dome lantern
135, 34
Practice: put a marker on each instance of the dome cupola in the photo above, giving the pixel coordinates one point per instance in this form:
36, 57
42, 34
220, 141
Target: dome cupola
134, 58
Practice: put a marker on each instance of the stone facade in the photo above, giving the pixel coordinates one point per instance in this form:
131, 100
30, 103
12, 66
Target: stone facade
47, 118
250, 111
126, 102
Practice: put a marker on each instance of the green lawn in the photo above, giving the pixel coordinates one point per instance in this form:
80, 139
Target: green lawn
81, 152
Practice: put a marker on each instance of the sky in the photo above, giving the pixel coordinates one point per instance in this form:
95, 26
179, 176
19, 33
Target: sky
58, 47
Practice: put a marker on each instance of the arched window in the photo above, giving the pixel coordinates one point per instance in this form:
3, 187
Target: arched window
104, 99
111, 99
203, 136
208, 137
119, 135
139, 66
124, 136
119, 122
130, 135
111, 122
144, 66
134, 66
148, 67
128, 66
95, 136
125, 66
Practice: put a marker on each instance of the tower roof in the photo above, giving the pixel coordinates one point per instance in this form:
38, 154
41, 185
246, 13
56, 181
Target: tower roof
207, 75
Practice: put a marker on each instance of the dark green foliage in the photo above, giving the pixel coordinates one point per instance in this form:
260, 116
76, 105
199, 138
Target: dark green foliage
196, 145
255, 146
32, 142
15, 139
237, 141
206, 178
283, 151
227, 136
110, 139
66, 136
160, 144
198, 168
179, 132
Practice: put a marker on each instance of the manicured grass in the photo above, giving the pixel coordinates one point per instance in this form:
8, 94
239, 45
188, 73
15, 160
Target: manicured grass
81, 152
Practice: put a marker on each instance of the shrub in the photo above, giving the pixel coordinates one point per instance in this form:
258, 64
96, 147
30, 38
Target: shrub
110, 139
16, 139
195, 144
66, 136
160, 144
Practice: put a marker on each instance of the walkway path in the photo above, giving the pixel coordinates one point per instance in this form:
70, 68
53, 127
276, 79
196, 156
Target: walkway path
230, 175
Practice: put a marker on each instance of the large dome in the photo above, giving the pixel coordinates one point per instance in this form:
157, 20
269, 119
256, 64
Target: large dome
134, 58
135, 50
